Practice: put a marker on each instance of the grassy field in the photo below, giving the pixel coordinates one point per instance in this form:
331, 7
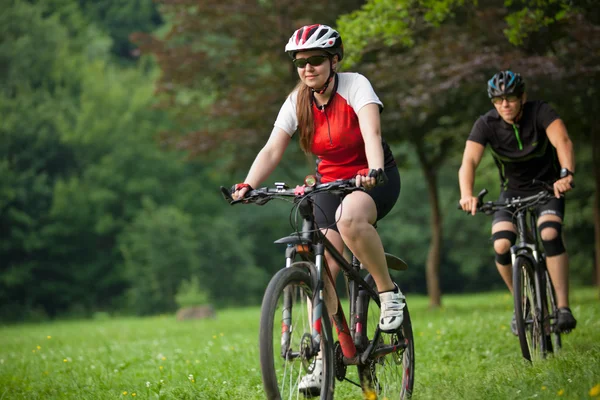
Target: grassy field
463, 351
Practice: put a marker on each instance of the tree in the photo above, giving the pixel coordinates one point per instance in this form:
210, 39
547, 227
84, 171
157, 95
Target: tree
119, 19
219, 61
160, 250
444, 45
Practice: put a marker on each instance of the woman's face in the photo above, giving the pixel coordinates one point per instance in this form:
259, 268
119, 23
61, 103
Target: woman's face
314, 76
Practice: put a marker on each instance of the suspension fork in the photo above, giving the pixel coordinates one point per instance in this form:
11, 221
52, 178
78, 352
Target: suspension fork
286, 315
336, 313
357, 311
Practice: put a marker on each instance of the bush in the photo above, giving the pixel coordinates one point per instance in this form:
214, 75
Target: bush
190, 294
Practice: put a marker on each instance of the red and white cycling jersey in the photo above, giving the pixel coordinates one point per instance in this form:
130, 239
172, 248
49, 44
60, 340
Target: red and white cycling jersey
338, 142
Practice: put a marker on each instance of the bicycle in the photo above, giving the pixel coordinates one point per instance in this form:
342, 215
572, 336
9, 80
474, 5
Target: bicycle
536, 312
295, 329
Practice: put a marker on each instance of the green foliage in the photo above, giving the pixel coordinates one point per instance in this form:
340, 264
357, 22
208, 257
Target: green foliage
119, 19
535, 16
393, 22
159, 250
95, 215
190, 293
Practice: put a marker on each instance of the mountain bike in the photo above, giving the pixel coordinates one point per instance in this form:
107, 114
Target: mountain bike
300, 304
536, 311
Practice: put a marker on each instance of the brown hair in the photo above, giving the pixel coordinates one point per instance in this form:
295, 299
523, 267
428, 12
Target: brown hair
304, 113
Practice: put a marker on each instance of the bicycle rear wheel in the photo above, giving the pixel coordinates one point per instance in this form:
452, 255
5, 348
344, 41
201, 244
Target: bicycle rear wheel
528, 310
287, 349
553, 340
390, 371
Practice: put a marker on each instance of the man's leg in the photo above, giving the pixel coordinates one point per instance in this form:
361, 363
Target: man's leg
503, 236
557, 261
556, 257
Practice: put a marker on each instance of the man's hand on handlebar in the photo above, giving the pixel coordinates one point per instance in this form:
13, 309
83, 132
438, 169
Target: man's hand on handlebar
469, 204
563, 185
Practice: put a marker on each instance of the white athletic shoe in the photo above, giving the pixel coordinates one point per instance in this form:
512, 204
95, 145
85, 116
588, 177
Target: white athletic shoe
392, 305
310, 384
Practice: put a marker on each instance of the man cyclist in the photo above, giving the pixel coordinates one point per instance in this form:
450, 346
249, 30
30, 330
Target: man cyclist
528, 141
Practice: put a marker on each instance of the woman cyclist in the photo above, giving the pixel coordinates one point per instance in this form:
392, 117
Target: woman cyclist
337, 119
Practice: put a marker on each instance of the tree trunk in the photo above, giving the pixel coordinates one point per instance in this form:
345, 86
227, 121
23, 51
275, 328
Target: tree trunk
596, 164
432, 268
433, 256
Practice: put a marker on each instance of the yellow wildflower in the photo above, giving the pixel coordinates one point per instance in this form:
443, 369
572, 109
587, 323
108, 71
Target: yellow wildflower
595, 391
125, 393
560, 392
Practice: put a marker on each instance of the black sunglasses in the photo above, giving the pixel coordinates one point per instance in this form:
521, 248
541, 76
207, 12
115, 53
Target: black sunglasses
313, 60
511, 98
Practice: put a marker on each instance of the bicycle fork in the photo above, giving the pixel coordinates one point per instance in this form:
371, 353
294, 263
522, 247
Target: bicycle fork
334, 306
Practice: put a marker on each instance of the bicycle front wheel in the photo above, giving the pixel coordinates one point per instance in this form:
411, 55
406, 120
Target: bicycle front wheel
389, 372
553, 340
288, 352
528, 310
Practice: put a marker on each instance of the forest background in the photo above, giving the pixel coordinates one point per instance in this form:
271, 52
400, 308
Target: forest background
119, 120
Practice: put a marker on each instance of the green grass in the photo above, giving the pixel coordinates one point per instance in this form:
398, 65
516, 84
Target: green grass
463, 351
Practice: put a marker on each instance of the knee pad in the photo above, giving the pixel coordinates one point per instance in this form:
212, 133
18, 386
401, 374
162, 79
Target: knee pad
504, 259
553, 247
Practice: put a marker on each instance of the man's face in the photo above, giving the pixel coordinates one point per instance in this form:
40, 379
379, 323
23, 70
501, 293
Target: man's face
508, 106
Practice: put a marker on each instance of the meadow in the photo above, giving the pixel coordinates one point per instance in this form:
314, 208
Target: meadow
464, 350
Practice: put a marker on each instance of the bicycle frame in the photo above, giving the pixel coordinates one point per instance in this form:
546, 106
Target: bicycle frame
531, 250
310, 245
524, 247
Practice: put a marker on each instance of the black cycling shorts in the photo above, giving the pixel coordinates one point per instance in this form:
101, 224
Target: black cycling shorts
553, 207
385, 196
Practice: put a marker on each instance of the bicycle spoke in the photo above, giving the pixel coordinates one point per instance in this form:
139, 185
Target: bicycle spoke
389, 372
287, 348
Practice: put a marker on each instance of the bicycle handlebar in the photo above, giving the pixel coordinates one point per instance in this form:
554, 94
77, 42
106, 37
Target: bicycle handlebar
265, 194
541, 197
490, 207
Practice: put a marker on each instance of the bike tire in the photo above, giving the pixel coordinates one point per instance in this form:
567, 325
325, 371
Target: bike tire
553, 339
528, 308
391, 376
282, 375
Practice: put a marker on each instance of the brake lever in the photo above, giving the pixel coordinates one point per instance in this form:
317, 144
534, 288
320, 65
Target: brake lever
227, 195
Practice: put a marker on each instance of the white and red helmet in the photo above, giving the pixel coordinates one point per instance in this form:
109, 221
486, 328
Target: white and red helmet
314, 37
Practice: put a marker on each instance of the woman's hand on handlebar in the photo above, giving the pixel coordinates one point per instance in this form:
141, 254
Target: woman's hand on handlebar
369, 178
239, 190
469, 204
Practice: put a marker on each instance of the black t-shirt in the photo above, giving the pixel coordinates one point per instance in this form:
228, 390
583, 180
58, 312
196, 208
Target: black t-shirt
522, 151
